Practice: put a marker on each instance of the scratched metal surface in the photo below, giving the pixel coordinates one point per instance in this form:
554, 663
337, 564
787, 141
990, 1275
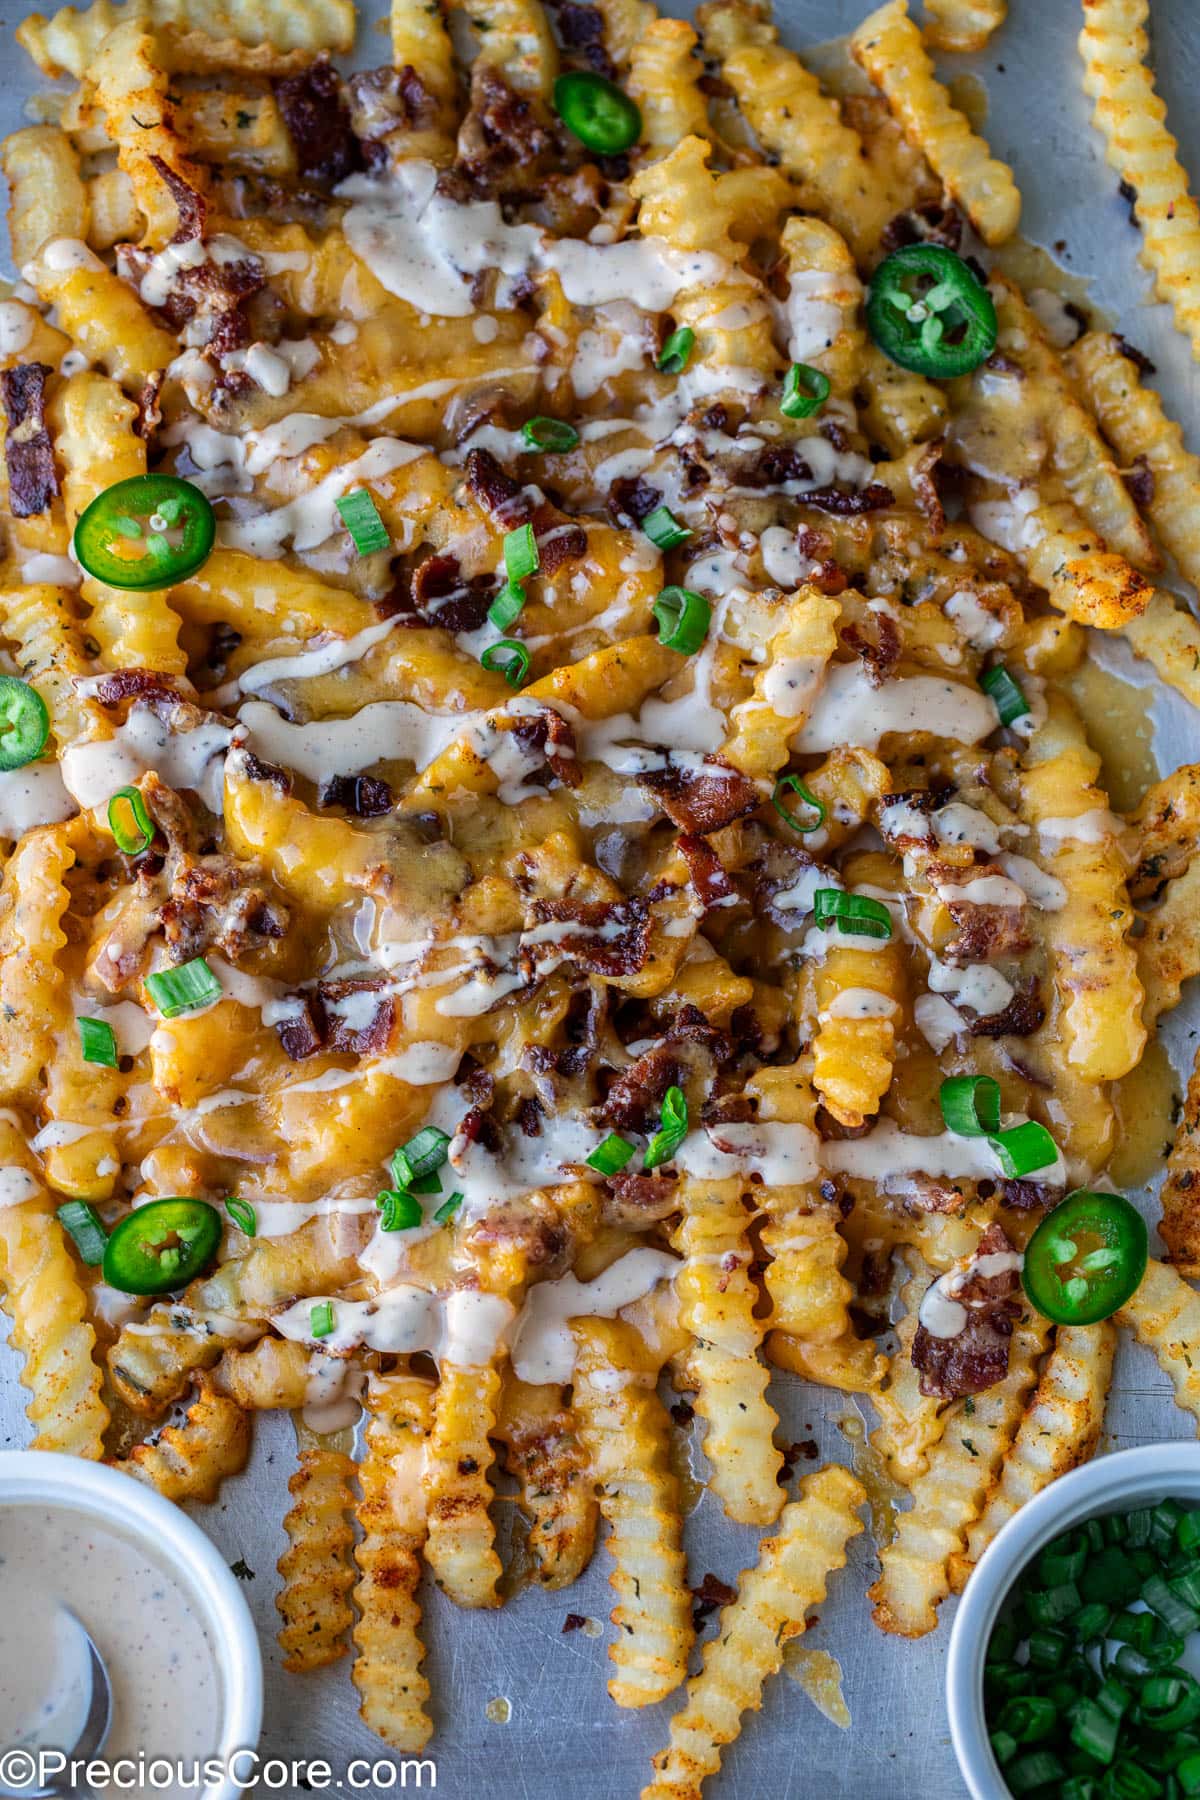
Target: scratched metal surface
564, 1736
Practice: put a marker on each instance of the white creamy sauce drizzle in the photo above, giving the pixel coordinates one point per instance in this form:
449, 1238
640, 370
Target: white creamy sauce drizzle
333, 1391
849, 711
1092, 827
941, 1313
781, 557
543, 1348
33, 795
981, 628
887, 1154
312, 517
938, 1022
816, 310
792, 683
798, 897
384, 730
52, 571
193, 759
860, 1003
16, 327
17, 1186
464, 1327
130, 1025
324, 659
984, 890
426, 248
780, 1155
977, 985
1044, 890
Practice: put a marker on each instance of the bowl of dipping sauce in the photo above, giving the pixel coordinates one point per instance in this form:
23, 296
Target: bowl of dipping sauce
1074, 1665
162, 1607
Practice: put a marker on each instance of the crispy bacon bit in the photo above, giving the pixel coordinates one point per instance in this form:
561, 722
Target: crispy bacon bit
879, 659
443, 597
256, 770
1027, 1196
985, 933
541, 1243
1140, 481
149, 412
1022, 1016
135, 684
573, 1622
548, 734
709, 878
212, 905
775, 465
613, 936
363, 795
977, 1356
318, 120
343, 1005
700, 800
385, 100
692, 1045
1138, 358
932, 223
502, 144
560, 540
502, 498
849, 504
710, 1593
191, 206
302, 1033
630, 500
929, 1194
682, 1412
28, 451
925, 488
641, 1200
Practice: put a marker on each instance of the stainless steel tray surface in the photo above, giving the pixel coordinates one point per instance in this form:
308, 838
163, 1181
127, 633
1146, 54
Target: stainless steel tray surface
564, 1740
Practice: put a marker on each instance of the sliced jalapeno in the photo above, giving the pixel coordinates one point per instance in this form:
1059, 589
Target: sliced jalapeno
148, 532
597, 111
24, 723
162, 1246
928, 312
1086, 1258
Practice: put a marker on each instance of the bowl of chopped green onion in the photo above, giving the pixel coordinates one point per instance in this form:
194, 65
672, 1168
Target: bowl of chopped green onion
1074, 1665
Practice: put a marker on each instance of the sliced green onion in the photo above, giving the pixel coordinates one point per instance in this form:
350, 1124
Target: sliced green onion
805, 391
1005, 693
98, 1042
242, 1214
794, 784
856, 913
611, 1155
1028, 1717
1022, 1149
663, 528
507, 658
672, 1129
83, 1226
360, 516
970, 1105
131, 842
401, 1211
683, 619
1036, 1769
1053, 1605
423, 1154
182, 990
507, 605
1176, 1614
520, 553
673, 357
1091, 1622
544, 433
320, 1319
1094, 1730
1115, 1699
447, 1209
1004, 1746
1187, 1773
1047, 1648
1187, 1531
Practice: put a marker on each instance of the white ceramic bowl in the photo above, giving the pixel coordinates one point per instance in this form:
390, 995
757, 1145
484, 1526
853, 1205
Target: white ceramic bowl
1108, 1484
139, 1513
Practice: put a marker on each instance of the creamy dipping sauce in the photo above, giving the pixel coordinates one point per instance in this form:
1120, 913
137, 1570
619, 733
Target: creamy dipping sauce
145, 1624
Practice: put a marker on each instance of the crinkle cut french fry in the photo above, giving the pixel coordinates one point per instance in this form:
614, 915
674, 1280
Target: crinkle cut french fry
191, 1460
47, 197
46, 1303
270, 36
772, 1605
1168, 950
315, 1567
664, 80
388, 1651
1179, 1197
716, 1303
460, 1548
910, 1422
626, 1433
1060, 1430
962, 26
542, 1451
33, 902
1164, 1315
914, 1574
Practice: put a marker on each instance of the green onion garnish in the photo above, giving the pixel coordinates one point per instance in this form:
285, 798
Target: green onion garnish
520, 553
856, 913
182, 990
672, 1129
971, 1105
507, 605
135, 840
611, 1155
796, 786
544, 433
673, 357
320, 1319
1024, 1148
401, 1211
447, 1209
422, 1155
663, 528
1006, 694
360, 516
79, 1220
242, 1214
507, 658
683, 619
98, 1042
805, 391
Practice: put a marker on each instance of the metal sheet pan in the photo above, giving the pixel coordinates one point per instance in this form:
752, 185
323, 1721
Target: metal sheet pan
564, 1737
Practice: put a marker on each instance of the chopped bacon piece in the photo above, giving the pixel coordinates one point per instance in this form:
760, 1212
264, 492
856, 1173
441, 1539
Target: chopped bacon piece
640, 1200
709, 877
547, 733
500, 496
443, 597
559, 539
701, 799
977, 1355
1027, 1196
613, 936
848, 504
357, 1017
879, 659
1020, 1018
314, 110
502, 143
190, 205
1139, 479
630, 500
149, 411
933, 223
302, 1033
363, 795
28, 451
